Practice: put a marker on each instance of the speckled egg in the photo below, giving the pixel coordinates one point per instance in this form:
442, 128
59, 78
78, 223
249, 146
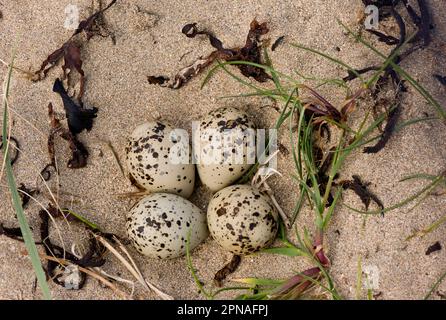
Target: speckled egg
158, 159
158, 225
241, 219
224, 147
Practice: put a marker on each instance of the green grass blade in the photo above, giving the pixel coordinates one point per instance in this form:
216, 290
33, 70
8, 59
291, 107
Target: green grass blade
290, 252
330, 211
192, 269
424, 176
359, 279
435, 286
16, 201
428, 229
326, 56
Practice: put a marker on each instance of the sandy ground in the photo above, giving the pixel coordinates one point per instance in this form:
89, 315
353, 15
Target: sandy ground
149, 42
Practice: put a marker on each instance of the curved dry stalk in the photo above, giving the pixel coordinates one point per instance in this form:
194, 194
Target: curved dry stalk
131, 266
260, 182
109, 146
28, 122
154, 288
98, 269
28, 74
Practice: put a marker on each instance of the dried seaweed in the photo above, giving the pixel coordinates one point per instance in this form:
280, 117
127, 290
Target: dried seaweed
390, 76
71, 54
435, 247
320, 107
12, 233
79, 153
79, 118
46, 171
440, 78
14, 151
277, 43
379, 3
229, 268
389, 40
361, 189
90, 25
250, 52
68, 277
25, 194
392, 119
70, 50
159, 80
353, 75
56, 127
93, 257
422, 21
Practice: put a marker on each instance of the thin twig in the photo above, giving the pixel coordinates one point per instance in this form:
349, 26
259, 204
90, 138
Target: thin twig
131, 266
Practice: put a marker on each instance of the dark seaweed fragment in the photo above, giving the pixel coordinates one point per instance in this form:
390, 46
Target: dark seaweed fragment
390, 76
440, 78
229, 268
423, 21
389, 40
79, 118
191, 31
56, 127
277, 43
321, 107
71, 54
435, 247
250, 52
12, 233
361, 189
351, 75
379, 3
392, 119
159, 80
94, 256
79, 153
90, 25
25, 194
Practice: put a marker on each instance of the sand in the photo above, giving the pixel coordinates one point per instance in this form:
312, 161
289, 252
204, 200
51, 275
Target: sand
149, 42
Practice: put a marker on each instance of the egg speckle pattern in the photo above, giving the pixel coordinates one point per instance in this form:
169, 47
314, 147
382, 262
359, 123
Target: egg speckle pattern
241, 219
224, 146
158, 225
158, 159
